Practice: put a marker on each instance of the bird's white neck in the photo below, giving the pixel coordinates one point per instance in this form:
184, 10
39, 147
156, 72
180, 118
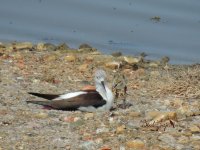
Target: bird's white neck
106, 93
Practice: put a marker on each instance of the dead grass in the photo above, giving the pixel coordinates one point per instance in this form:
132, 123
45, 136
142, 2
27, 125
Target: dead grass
184, 83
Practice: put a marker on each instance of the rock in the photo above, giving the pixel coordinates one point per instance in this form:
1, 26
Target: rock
83, 67
40, 47
71, 119
183, 140
113, 65
152, 114
120, 129
84, 45
88, 116
99, 141
176, 102
184, 110
41, 115
62, 47
102, 130
155, 73
134, 114
131, 60
195, 145
135, 144
168, 139
70, 58
164, 60
162, 116
50, 47
153, 64
89, 59
106, 148
116, 54
50, 58
194, 129
88, 145
23, 45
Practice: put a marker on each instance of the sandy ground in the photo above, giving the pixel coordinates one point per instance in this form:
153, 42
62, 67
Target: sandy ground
162, 103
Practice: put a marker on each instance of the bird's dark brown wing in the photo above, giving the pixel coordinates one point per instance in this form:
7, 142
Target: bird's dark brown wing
92, 98
84, 100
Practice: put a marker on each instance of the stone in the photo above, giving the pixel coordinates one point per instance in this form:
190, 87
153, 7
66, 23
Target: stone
84, 45
71, 119
120, 129
50, 58
88, 145
83, 67
155, 73
177, 102
163, 116
41, 115
152, 114
194, 129
135, 144
131, 60
70, 58
168, 139
183, 140
113, 65
40, 47
116, 54
135, 114
89, 59
88, 116
102, 130
23, 45
153, 64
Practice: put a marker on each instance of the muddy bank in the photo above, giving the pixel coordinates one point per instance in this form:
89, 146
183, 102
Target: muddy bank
162, 100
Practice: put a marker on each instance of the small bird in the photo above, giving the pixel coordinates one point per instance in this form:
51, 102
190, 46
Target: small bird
89, 100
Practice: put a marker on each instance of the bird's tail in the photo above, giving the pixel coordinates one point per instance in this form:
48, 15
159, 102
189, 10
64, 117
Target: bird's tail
45, 96
44, 103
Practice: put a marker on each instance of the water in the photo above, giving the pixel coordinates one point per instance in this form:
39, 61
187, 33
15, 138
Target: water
109, 25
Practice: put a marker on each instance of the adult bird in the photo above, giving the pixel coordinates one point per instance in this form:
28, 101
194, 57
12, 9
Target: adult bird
100, 99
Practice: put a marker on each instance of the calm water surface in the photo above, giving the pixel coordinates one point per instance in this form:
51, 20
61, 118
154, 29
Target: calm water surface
109, 25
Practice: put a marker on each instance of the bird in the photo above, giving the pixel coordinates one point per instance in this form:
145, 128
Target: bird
89, 100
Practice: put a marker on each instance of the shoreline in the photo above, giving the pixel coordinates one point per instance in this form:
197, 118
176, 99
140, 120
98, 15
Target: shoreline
162, 108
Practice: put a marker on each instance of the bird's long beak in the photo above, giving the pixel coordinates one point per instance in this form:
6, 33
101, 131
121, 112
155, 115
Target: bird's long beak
102, 82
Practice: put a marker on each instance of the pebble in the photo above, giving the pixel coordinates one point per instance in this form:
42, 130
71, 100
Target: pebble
87, 145
88, 116
71, 119
113, 65
102, 130
23, 45
116, 54
168, 139
41, 115
131, 60
120, 129
153, 64
40, 47
194, 129
155, 73
83, 67
135, 114
135, 144
50, 58
183, 140
70, 58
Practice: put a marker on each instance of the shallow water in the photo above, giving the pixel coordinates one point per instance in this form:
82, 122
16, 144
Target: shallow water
114, 25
